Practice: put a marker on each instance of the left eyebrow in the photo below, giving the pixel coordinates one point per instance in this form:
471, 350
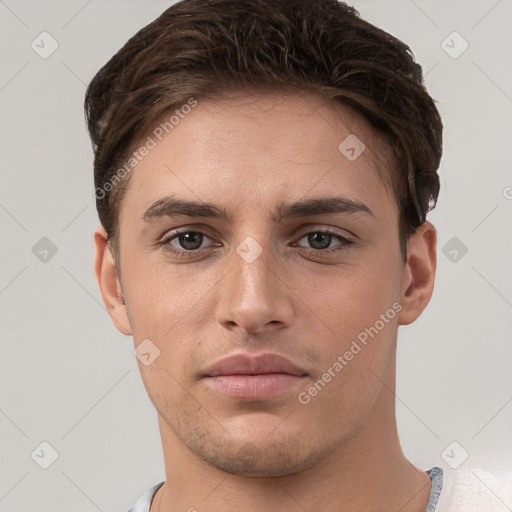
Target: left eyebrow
318, 206
171, 206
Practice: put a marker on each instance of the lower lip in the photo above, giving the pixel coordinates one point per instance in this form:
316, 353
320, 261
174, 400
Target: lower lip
255, 387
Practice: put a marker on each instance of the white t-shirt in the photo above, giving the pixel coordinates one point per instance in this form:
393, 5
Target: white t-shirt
475, 489
466, 489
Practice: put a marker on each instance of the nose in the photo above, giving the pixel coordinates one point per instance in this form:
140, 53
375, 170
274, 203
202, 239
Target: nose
254, 295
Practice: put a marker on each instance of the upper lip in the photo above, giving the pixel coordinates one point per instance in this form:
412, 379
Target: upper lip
244, 364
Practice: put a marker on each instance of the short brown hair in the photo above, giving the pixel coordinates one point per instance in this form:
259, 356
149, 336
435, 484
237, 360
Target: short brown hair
202, 48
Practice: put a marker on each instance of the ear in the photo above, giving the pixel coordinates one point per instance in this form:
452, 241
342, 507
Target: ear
109, 282
419, 273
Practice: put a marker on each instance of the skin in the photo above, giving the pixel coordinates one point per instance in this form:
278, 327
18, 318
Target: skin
341, 450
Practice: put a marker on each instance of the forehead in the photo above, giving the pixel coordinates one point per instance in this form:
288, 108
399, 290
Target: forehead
259, 148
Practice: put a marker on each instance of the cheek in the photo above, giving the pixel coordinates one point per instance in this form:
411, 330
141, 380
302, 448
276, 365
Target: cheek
159, 295
167, 306
168, 377
351, 296
355, 323
345, 389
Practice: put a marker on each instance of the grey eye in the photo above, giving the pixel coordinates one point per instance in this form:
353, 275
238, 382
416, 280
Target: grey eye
189, 240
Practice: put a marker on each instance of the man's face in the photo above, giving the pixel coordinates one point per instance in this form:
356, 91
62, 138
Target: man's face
306, 296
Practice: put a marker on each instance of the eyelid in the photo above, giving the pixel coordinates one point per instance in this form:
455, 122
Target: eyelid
173, 233
344, 242
326, 232
323, 228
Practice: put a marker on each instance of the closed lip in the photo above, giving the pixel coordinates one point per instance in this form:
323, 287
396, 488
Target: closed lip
245, 364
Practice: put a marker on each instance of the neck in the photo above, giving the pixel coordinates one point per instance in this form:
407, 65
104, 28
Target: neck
367, 472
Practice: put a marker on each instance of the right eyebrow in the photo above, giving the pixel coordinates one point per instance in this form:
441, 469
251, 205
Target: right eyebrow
170, 206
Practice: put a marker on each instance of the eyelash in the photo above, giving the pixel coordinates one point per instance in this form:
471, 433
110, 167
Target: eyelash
165, 242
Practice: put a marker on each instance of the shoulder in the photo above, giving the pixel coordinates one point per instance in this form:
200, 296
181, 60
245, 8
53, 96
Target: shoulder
475, 488
144, 502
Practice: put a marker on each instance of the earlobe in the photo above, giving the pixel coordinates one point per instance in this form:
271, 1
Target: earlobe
419, 273
109, 282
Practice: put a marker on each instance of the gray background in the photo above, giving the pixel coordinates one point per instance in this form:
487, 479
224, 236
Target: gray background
69, 378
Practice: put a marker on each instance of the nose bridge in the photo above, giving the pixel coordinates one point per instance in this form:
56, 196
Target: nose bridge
253, 296
251, 261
